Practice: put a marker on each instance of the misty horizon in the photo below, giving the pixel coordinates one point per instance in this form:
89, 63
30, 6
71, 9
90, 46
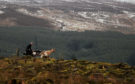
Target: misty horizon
129, 1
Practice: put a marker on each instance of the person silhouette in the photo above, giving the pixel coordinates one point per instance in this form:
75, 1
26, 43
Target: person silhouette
29, 49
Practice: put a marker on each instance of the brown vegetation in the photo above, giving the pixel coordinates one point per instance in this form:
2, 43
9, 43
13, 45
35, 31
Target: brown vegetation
28, 70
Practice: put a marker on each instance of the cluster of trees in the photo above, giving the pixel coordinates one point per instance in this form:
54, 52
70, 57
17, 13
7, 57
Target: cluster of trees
89, 45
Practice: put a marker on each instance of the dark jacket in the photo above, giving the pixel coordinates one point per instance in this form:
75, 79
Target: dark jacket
29, 49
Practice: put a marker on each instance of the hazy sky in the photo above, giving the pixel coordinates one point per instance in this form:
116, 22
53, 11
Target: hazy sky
127, 0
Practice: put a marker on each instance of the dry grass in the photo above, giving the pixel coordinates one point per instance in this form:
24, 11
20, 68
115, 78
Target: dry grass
51, 71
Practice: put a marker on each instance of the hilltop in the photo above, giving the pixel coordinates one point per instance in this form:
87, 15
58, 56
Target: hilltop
27, 70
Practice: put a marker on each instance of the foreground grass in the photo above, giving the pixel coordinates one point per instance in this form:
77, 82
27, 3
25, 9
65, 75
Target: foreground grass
26, 70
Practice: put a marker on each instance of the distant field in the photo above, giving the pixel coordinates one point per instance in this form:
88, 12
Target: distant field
90, 45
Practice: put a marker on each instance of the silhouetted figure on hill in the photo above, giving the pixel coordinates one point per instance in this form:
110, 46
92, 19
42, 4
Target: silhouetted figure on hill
29, 49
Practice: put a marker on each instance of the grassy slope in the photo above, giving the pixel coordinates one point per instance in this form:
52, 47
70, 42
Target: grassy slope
38, 71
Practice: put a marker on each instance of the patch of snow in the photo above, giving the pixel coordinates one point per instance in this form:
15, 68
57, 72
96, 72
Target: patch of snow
1, 12
94, 14
83, 14
106, 16
129, 14
59, 20
115, 6
126, 12
100, 20
23, 10
127, 1
38, 13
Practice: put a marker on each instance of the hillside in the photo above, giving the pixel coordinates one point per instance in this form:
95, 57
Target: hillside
65, 15
90, 45
26, 70
10, 17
